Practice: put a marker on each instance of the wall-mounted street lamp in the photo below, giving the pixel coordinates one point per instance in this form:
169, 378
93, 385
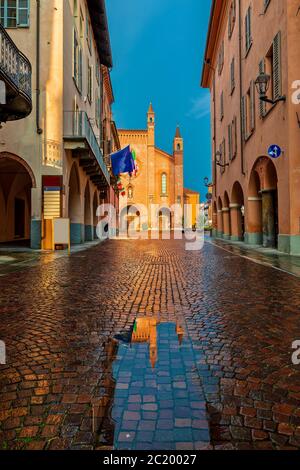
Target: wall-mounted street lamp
262, 84
218, 158
206, 182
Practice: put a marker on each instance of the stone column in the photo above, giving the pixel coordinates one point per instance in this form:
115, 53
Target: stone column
226, 223
268, 219
215, 224
254, 235
36, 223
220, 224
236, 222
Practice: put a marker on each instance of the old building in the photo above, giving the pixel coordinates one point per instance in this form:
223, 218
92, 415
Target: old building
57, 158
251, 67
159, 179
15, 104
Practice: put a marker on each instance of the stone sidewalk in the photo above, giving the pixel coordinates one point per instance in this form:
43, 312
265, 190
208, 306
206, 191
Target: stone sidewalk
60, 320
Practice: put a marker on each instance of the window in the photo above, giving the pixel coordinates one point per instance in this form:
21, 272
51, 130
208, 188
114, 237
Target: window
164, 184
90, 82
271, 65
232, 18
248, 112
248, 34
98, 72
98, 110
75, 9
232, 139
223, 156
88, 33
221, 58
232, 76
77, 62
14, 13
81, 21
130, 192
222, 106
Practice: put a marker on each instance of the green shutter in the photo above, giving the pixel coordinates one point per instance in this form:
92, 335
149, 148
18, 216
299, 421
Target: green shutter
277, 87
262, 104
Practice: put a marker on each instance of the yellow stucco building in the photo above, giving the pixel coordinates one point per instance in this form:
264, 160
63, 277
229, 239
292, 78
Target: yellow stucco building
159, 179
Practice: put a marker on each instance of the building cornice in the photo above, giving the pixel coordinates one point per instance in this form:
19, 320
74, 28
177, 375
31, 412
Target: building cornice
216, 19
99, 22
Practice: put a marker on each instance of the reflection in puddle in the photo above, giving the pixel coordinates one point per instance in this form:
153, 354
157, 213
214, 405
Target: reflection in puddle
158, 400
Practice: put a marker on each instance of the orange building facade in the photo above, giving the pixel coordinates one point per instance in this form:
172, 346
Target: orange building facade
159, 180
255, 196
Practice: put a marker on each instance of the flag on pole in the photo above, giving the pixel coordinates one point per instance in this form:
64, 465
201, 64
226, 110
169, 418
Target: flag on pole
122, 161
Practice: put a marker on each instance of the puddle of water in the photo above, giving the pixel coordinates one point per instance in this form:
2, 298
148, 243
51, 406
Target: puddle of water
7, 259
158, 400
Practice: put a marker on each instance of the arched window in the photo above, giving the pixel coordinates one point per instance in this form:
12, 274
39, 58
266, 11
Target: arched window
178, 147
130, 192
164, 183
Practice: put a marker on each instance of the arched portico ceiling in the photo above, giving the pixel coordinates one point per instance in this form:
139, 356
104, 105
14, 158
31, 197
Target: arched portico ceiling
267, 173
6, 157
237, 194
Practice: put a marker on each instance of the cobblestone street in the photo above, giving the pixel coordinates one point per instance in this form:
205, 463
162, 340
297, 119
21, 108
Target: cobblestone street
223, 376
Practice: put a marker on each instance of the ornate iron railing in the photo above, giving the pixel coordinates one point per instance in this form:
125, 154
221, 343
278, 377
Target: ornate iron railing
77, 125
14, 65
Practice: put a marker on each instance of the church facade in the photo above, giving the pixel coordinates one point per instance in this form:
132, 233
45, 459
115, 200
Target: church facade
159, 179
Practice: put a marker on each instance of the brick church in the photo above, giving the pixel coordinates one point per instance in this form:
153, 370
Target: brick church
159, 179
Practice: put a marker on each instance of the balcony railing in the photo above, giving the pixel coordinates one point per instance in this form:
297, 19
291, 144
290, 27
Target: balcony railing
14, 66
77, 126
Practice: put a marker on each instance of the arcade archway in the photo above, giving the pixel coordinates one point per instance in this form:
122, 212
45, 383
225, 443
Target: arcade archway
237, 212
263, 226
16, 182
75, 212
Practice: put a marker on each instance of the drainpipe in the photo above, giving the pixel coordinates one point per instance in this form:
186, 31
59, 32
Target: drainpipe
38, 91
241, 89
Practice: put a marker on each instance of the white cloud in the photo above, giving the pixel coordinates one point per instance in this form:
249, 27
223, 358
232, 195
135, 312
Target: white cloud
200, 107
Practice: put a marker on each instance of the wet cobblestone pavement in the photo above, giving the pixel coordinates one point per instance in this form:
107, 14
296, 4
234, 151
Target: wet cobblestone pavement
213, 371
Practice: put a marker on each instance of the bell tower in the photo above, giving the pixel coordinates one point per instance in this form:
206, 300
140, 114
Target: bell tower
178, 160
151, 159
151, 125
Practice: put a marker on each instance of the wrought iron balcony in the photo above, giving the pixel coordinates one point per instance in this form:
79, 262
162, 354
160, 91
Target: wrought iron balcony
80, 138
15, 76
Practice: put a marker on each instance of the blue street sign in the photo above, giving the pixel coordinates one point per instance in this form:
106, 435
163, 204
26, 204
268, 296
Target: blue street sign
274, 151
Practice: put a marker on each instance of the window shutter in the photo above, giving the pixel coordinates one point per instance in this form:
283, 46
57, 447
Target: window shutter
232, 75
252, 105
244, 123
80, 70
262, 104
230, 142
277, 87
234, 137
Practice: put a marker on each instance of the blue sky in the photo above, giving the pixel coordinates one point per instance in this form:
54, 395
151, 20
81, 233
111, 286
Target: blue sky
158, 48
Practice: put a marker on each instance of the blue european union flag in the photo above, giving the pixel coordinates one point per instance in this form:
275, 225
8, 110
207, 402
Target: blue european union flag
122, 161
